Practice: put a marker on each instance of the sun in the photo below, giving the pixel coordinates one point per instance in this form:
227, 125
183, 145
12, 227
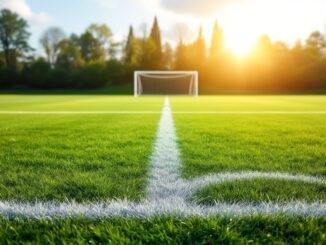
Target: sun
241, 29
239, 44
241, 37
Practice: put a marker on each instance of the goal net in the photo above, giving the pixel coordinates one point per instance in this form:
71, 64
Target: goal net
166, 83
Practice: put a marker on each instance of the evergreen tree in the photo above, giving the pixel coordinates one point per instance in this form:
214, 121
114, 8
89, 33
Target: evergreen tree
157, 57
168, 58
217, 42
148, 50
299, 54
181, 60
130, 48
199, 50
156, 35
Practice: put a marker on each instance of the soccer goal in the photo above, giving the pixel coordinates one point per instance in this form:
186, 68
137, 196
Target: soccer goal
166, 83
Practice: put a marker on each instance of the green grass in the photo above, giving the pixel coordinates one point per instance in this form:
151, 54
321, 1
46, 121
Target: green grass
221, 230
227, 143
258, 190
250, 103
79, 103
219, 143
95, 157
75, 157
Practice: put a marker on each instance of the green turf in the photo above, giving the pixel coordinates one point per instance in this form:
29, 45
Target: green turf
94, 157
75, 157
258, 190
252, 230
250, 103
226, 143
79, 103
219, 143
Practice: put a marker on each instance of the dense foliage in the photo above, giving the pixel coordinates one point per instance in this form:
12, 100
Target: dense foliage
90, 60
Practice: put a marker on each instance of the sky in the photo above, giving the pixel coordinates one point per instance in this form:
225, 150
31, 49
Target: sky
243, 21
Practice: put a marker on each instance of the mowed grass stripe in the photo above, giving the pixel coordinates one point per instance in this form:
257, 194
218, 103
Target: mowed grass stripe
247, 103
44, 103
219, 143
65, 158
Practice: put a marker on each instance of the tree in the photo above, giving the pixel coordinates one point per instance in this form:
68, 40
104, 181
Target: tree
156, 39
181, 59
2, 61
103, 35
130, 49
299, 55
156, 35
264, 43
101, 32
69, 56
198, 50
50, 42
217, 47
90, 47
37, 73
148, 50
113, 50
13, 37
315, 44
168, 58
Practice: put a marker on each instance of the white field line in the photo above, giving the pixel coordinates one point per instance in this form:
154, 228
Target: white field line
119, 101
165, 179
252, 112
159, 112
168, 193
75, 112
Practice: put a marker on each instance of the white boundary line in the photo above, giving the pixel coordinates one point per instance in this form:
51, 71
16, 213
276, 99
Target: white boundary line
136, 100
159, 112
75, 112
168, 193
253, 112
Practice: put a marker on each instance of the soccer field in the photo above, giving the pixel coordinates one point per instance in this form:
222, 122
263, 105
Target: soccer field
211, 168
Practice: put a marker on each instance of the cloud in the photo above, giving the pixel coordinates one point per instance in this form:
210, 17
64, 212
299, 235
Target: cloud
198, 7
23, 9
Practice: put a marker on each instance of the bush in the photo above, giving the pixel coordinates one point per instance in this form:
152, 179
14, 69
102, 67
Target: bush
37, 74
8, 78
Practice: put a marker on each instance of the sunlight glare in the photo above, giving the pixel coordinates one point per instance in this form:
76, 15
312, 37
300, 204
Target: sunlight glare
239, 43
240, 30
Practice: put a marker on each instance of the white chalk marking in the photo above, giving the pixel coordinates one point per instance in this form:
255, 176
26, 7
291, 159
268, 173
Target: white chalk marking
75, 112
168, 193
137, 100
159, 112
252, 112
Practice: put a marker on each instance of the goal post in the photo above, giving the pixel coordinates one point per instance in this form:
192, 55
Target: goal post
166, 83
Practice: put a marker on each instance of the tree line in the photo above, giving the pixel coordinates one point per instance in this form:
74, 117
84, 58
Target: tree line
90, 60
